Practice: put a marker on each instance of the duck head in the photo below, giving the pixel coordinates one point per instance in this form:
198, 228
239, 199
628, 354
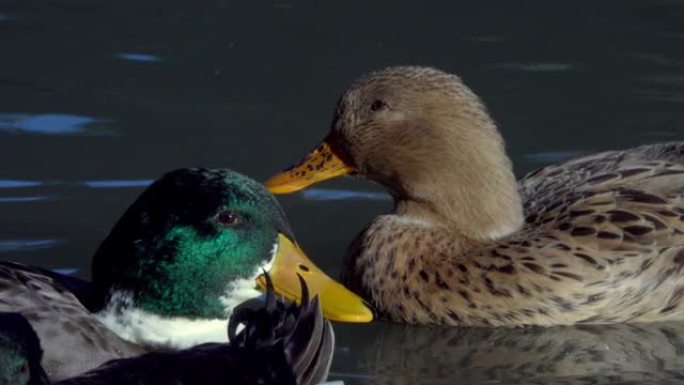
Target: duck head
425, 136
197, 242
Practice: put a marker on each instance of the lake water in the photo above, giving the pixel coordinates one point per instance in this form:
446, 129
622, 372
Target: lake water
97, 98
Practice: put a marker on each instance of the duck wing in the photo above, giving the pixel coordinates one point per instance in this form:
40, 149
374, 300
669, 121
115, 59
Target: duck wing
610, 228
280, 343
73, 340
655, 169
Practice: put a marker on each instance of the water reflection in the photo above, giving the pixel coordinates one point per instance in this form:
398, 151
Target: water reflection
396, 354
6, 17
47, 124
319, 194
534, 67
553, 156
139, 57
7, 245
658, 58
661, 96
66, 270
17, 183
118, 183
36, 198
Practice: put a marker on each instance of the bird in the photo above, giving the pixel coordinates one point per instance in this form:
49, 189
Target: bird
192, 247
280, 343
20, 352
597, 239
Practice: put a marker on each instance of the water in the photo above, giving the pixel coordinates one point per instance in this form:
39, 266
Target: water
98, 98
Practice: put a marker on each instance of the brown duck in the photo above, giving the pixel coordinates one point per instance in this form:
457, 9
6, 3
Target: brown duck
598, 239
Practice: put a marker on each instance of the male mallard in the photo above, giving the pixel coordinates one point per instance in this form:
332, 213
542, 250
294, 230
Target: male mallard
169, 273
599, 239
281, 343
20, 352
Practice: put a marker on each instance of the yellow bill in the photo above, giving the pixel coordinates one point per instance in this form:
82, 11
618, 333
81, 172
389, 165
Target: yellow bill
337, 302
320, 164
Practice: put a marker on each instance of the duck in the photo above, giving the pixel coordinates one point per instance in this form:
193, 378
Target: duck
20, 352
194, 245
280, 342
597, 239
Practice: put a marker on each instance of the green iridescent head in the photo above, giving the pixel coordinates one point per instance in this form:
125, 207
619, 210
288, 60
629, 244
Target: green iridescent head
194, 245
20, 352
186, 239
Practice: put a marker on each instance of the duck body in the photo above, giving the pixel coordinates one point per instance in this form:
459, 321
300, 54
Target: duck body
168, 276
598, 239
280, 343
602, 242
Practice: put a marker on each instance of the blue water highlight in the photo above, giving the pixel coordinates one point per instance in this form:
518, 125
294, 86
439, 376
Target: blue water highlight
317, 194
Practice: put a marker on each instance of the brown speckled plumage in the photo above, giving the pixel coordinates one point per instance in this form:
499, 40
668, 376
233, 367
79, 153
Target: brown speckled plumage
599, 239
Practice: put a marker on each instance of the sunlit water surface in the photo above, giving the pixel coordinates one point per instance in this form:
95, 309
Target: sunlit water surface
99, 98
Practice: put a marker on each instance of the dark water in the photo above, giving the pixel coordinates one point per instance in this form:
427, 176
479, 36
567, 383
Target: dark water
97, 98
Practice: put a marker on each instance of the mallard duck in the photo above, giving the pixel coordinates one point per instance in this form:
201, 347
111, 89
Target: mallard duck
280, 343
20, 352
598, 239
189, 249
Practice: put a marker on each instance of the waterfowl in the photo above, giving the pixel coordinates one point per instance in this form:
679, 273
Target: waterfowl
280, 343
20, 352
597, 239
184, 254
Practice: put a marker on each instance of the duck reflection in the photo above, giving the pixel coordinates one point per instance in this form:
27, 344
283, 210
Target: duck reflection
583, 354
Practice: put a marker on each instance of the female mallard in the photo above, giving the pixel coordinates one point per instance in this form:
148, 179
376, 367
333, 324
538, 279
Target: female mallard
168, 275
599, 239
281, 343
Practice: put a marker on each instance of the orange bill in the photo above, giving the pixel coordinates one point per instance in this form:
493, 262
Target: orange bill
337, 302
320, 164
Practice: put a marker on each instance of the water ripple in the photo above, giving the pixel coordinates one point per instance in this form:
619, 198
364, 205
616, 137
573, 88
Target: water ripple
138, 57
66, 270
118, 183
7, 245
553, 156
534, 67
16, 183
317, 194
37, 198
660, 96
46, 124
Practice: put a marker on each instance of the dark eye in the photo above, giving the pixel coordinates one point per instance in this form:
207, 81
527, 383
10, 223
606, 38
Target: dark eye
378, 105
227, 218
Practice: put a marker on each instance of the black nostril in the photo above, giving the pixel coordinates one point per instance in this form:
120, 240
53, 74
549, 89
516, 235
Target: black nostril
303, 268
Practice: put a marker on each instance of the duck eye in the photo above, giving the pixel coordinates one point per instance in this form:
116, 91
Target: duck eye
378, 105
227, 218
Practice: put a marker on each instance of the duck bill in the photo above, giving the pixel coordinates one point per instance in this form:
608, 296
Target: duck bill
337, 302
324, 162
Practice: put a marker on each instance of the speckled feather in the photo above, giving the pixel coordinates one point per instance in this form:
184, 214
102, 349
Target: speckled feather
598, 239
600, 234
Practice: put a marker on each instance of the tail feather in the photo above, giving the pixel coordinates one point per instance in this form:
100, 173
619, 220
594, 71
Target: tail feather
306, 338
